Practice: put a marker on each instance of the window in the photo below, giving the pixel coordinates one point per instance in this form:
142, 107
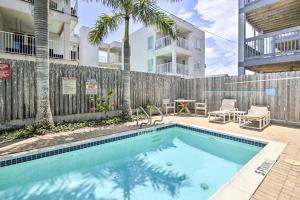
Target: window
150, 65
150, 42
198, 44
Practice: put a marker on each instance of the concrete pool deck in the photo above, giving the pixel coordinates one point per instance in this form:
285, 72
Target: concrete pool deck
282, 182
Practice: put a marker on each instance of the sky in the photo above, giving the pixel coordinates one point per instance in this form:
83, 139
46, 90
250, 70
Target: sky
215, 16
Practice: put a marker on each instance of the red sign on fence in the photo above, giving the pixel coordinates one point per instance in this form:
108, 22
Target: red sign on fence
4, 71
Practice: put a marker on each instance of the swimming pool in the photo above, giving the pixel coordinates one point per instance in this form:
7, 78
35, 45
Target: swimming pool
164, 163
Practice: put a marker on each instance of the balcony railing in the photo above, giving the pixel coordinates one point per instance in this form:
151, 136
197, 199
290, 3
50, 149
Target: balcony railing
60, 6
163, 42
281, 43
25, 45
166, 41
182, 69
110, 60
183, 43
165, 68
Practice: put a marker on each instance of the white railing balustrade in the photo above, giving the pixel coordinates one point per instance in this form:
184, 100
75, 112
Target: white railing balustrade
163, 42
166, 41
182, 69
25, 45
59, 5
280, 43
165, 68
17, 43
183, 43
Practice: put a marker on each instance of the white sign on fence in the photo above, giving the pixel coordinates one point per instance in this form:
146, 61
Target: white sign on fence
69, 85
91, 87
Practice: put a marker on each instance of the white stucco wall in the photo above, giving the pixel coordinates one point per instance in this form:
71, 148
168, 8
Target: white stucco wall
140, 53
139, 49
88, 53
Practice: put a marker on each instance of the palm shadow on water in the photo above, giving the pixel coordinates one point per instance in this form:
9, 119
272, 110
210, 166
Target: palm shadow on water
136, 173
126, 175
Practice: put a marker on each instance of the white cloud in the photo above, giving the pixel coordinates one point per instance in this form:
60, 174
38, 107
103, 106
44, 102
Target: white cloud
184, 14
223, 15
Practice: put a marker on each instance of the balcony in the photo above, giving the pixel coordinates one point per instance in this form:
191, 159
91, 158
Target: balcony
110, 60
25, 45
167, 41
60, 6
166, 68
277, 47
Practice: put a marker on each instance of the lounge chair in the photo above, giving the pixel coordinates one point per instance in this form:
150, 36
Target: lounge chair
258, 117
169, 105
227, 106
201, 107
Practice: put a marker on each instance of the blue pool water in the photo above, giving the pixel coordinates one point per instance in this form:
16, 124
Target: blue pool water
169, 164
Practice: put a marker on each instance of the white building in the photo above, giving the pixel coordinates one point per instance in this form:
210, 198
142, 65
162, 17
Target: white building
17, 40
151, 51
274, 44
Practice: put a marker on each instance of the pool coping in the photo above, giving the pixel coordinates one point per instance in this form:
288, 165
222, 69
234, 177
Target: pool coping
241, 186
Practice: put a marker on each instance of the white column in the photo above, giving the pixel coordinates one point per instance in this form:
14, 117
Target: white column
242, 36
67, 41
174, 62
108, 54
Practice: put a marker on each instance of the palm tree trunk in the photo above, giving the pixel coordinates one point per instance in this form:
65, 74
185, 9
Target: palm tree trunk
126, 109
43, 115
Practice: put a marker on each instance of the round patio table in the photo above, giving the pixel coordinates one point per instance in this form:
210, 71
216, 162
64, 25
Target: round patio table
184, 104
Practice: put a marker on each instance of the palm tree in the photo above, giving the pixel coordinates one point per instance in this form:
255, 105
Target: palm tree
143, 11
43, 115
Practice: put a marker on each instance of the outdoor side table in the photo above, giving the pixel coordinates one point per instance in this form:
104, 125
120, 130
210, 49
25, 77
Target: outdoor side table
237, 114
184, 104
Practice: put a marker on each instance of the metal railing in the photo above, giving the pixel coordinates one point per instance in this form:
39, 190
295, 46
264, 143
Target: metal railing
56, 49
59, 5
160, 113
165, 68
25, 45
146, 114
182, 69
17, 43
280, 43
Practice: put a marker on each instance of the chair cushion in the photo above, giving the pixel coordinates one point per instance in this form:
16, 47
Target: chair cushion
253, 116
220, 112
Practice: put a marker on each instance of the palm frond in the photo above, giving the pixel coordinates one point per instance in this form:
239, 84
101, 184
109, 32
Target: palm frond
146, 12
104, 25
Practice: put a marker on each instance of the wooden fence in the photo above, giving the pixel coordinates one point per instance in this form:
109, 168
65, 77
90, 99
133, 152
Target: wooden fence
18, 94
281, 91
